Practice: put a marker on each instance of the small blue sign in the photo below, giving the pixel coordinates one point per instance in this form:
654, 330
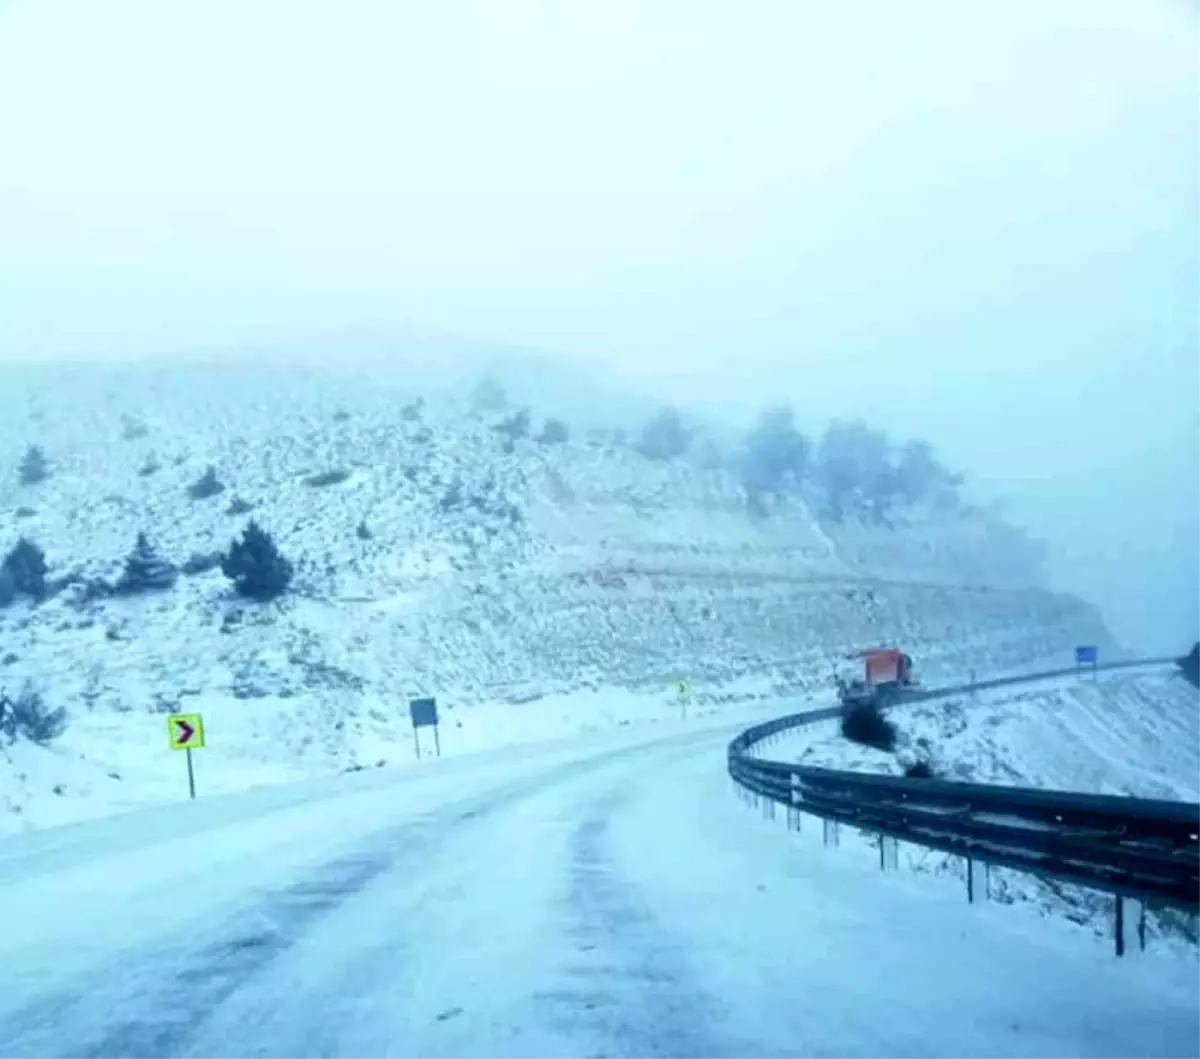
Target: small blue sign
1086, 653
423, 712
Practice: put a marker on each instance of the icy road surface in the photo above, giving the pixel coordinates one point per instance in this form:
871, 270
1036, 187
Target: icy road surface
600, 899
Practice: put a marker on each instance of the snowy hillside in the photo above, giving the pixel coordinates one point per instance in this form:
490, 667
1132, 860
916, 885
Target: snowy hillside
1133, 733
435, 555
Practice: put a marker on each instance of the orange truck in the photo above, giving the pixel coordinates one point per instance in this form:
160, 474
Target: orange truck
887, 674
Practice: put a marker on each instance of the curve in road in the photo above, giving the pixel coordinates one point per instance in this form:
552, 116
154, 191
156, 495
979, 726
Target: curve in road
603, 899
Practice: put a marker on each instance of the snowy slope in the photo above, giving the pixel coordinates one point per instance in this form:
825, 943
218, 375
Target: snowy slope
495, 576
1133, 733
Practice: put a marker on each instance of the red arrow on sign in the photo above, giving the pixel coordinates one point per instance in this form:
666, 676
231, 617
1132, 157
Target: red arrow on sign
186, 731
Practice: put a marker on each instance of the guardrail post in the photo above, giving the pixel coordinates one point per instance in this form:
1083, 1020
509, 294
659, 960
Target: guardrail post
889, 853
1130, 925
794, 813
977, 880
830, 832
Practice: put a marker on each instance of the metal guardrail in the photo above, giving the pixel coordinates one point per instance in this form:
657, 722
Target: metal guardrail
1139, 848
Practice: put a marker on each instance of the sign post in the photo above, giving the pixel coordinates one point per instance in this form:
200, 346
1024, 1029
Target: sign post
424, 715
185, 731
683, 689
1086, 654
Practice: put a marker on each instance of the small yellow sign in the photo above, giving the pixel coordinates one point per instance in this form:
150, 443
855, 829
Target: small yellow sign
683, 687
185, 731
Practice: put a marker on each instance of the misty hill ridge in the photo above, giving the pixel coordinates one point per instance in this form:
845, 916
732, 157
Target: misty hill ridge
434, 551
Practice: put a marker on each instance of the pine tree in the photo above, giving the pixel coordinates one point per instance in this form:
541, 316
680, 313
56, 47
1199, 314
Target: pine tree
145, 570
255, 565
26, 568
34, 466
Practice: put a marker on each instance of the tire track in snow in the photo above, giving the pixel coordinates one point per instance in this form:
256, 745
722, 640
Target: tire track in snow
154, 999
627, 984
157, 999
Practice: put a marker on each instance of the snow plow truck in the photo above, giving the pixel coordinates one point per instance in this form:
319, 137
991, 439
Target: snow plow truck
886, 676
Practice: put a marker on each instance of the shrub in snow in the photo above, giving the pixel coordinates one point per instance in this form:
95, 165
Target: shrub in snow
8, 587
664, 437
411, 412
145, 570
26, 566
201, 562
516, 426
34, 467
24, 512
363, 531
452, 499
331, 477
255, 565
207, 485
238, 506
866, 725
554, 432
28, 715
149, 467
919, 770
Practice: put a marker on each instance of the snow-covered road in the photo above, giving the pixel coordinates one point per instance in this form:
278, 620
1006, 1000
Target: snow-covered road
603, 898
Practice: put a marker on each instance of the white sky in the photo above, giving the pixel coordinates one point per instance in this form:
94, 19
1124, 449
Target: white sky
973, 222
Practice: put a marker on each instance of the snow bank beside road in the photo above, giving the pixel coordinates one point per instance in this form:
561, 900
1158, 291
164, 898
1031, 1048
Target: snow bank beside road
1133, 733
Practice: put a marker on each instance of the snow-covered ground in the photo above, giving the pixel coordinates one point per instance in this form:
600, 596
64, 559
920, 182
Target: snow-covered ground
607, 897
1127, 732
538, 590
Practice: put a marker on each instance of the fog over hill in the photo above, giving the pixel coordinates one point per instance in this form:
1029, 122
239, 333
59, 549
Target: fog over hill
448, 540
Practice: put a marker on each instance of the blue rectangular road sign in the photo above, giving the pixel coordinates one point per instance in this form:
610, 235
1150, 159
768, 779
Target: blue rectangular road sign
1086, 653
423, 712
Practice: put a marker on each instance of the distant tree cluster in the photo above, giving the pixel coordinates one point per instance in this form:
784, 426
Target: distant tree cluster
664, 436
253, 563
852, 469
775, 455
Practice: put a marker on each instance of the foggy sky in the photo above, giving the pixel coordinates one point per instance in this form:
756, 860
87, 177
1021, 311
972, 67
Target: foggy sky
972, 223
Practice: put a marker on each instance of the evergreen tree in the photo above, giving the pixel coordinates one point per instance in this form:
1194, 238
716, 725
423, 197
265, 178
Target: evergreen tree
145, 570
255, 565
776, 453
34, 466
26, 568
